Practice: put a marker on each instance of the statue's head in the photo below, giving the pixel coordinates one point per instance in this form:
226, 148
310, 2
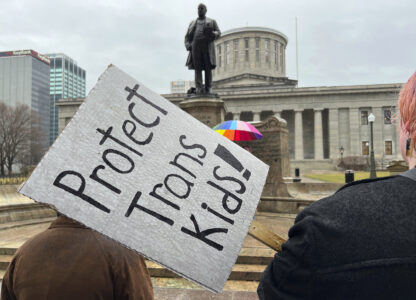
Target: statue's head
202, 10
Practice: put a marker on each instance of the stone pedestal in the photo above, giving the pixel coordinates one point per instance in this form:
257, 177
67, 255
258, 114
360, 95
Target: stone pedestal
209, 109
273, 149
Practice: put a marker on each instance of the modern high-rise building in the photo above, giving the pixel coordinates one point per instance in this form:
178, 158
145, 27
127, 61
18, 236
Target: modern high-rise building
24, 79
67, 80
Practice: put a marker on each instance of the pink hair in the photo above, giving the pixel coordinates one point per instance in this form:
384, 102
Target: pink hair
407, 108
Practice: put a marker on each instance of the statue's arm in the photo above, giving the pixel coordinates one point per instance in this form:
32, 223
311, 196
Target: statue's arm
217, 32
188, 42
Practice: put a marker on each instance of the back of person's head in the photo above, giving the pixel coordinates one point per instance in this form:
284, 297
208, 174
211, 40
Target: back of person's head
407, 109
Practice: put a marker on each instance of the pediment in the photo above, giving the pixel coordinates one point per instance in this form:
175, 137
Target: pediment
253, 80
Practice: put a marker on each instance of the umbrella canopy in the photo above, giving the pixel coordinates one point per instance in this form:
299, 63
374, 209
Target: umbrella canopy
237, 130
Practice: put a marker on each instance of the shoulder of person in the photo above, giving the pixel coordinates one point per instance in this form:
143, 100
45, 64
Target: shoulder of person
346, 197
360, 183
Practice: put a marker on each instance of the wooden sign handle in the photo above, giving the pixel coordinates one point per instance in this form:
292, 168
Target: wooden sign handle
266, 236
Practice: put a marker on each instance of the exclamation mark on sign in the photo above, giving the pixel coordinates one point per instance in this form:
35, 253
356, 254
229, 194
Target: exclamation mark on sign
230, 159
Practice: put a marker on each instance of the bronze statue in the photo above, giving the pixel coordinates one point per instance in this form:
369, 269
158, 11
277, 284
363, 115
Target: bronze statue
199, 41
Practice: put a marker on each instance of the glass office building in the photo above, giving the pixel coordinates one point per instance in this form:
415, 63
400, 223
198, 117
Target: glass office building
67, 80
24, 79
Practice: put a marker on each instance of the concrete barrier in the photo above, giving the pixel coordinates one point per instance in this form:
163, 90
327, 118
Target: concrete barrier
282, 204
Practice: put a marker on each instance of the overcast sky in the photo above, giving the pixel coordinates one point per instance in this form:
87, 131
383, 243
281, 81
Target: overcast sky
340, 42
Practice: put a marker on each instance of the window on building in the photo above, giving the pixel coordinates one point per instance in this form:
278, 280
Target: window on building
364, 117
266, 51
219, 55
247, 58
227, 53
275, 53
246, 116
388, 147
58, 63
66, 65
364, 148
387, 116
235, 51
257, 49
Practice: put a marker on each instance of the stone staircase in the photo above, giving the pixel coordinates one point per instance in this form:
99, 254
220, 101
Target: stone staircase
245, 274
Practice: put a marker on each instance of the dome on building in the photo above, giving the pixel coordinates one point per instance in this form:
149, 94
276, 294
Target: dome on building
250, 50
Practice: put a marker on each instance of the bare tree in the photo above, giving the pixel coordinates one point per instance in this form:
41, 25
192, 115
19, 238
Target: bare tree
3, 125
21, 137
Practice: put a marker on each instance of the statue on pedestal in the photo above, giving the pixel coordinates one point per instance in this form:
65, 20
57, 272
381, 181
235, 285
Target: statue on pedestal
199, 41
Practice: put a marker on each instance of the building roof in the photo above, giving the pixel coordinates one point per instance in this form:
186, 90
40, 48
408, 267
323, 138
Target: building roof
255, 29
27, 52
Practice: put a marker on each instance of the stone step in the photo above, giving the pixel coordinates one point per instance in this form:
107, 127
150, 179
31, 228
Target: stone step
7, 251
5, 261
181, 283
239, 271
23, 223
255, 256
252, 256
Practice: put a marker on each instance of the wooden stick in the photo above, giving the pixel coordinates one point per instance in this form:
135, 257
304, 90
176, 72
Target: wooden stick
266, 236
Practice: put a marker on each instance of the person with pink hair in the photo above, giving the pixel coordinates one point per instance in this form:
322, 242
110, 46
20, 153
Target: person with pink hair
359, 243
407, 125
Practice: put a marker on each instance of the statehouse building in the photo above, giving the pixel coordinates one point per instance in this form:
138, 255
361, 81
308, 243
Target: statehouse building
251, 79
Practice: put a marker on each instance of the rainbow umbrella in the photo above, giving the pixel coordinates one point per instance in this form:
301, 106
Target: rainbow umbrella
237, 130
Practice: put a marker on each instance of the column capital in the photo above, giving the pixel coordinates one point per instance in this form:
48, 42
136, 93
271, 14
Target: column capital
318, 109
299, 110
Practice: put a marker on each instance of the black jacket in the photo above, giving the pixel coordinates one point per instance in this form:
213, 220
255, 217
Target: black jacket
359, 243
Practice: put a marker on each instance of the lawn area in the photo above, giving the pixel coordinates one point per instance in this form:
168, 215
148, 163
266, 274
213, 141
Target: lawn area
340, 177
12, 180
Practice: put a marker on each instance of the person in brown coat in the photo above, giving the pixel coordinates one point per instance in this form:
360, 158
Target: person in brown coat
70, 261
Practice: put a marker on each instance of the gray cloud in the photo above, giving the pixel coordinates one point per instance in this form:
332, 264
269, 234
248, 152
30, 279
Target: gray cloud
340, 42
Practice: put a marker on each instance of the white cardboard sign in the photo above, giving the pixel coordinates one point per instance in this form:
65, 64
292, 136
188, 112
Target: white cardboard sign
141, 171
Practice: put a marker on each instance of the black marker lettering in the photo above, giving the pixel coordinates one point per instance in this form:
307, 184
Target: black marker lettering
147, 125
111, 165
79, 192
242, 186
225, 199
129, 133
134, 205
202, 235
107, 134
187, 183
133, 92
176, 164
153, 194
94, 176
215, 213
194, 146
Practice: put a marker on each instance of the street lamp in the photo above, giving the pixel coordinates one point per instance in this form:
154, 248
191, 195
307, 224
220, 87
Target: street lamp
371, 119
341, 151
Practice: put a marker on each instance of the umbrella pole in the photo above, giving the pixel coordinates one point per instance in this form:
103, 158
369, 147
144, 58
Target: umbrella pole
266, 236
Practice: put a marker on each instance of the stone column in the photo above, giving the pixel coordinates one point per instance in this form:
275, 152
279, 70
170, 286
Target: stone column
378, 132
319, 142
355, 145
256, 116
333, 133
236, 116
298, 135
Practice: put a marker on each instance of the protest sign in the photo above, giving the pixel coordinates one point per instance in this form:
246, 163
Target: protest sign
141, 171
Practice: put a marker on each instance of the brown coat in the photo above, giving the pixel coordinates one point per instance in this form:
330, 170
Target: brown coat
70, 261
